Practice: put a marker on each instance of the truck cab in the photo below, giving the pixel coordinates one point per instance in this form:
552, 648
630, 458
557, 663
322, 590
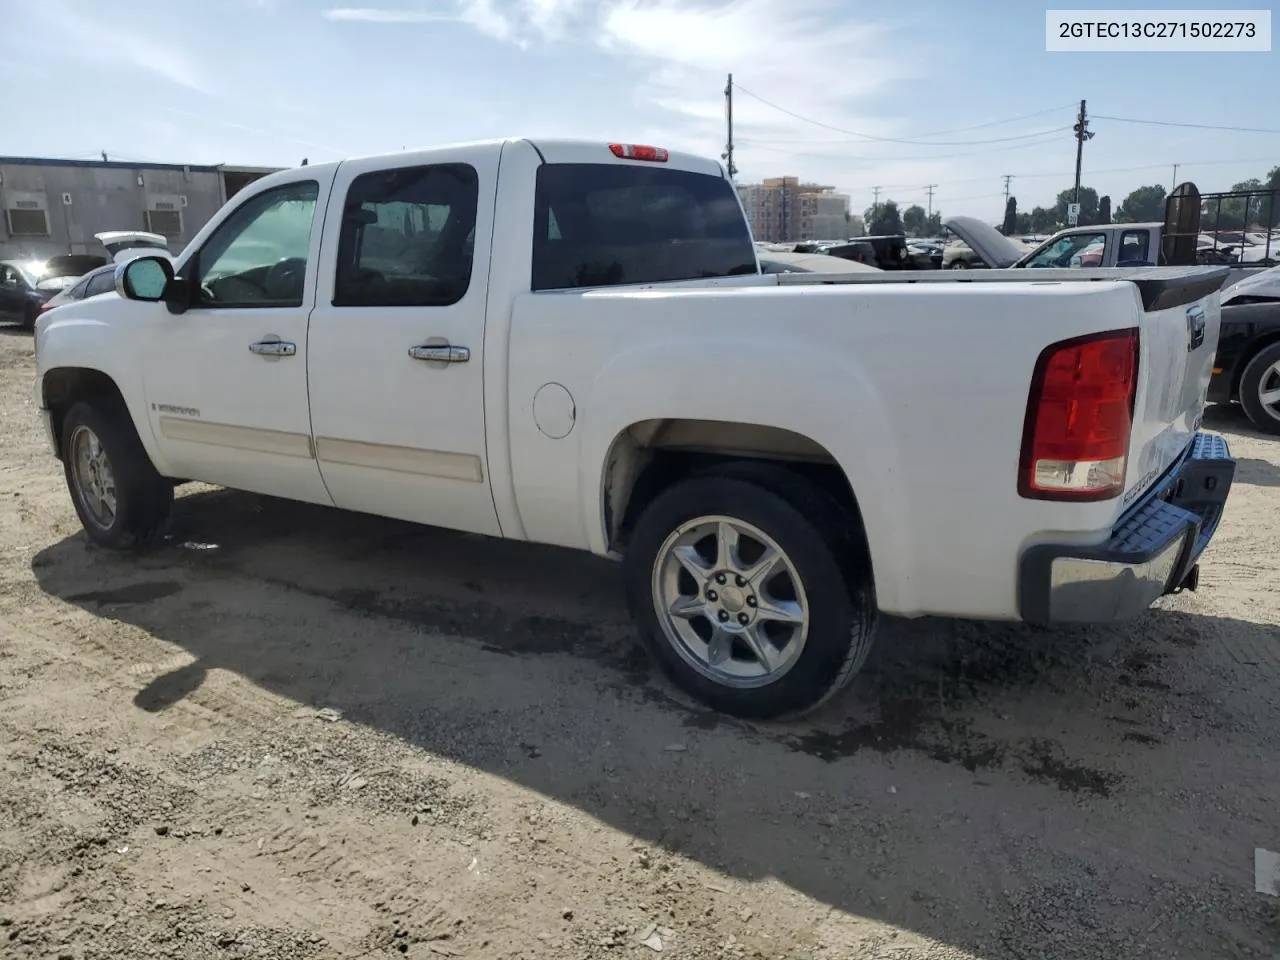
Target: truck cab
1104, 245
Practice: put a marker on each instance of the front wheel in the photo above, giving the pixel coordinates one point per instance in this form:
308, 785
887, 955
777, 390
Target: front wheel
750, 596
1260, 389
121, 500
958, 265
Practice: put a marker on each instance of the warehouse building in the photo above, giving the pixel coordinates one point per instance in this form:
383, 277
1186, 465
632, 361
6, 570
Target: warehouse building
56, 206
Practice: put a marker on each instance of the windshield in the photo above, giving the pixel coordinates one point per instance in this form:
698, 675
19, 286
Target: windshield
603, 224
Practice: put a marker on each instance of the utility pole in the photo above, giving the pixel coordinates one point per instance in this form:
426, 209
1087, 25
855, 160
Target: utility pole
1008, 179
1082, 134
929, 190
728, 106
1175, 177
875, 203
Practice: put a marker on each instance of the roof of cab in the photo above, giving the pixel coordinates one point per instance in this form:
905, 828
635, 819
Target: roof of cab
552, 150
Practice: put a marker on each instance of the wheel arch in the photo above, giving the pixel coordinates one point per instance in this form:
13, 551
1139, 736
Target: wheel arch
1260, 342
648, 456
63, 386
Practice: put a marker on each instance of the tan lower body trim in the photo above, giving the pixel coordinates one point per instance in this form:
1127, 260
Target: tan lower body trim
278, 442
384, 456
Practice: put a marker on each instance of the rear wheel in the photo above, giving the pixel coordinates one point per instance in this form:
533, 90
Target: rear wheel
751, 595
121, 500
958, 264
1260, 389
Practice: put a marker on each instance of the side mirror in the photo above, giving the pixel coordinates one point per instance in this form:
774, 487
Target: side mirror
144, 278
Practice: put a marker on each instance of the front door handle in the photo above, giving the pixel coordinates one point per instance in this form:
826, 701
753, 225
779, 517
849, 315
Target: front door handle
440, 353
273, 348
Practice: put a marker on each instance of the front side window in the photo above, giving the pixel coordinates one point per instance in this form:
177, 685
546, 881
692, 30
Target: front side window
258, 256
598, 224
9, 277
1070, 251
408, 237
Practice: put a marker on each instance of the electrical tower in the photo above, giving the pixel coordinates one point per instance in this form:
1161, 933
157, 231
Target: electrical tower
727, 156
1082, 134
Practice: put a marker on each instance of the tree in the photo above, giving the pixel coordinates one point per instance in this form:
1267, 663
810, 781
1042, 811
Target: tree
1271, 212
1104, 210
1010, 225
933, 225
1024, 223
1143, 204
914, 219
1044, 220
1088, 204
884, 220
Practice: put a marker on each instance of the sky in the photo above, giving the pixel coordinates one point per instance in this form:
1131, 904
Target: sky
827, 90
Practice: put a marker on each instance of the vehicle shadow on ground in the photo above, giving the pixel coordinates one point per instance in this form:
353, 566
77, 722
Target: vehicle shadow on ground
977, 778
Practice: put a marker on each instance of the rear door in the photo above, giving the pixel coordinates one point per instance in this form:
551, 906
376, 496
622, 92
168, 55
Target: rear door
1178, 337
397, 334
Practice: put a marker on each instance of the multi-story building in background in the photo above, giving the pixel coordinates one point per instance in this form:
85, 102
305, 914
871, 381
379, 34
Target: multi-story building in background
53, 206
782, 209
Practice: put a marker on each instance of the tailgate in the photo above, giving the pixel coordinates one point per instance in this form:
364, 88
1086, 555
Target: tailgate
1178, 336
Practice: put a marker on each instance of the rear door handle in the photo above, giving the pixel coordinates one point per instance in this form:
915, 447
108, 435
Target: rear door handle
440, 353
273, 348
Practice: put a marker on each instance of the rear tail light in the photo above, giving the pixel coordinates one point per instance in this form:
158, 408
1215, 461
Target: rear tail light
633, 151
1075, 443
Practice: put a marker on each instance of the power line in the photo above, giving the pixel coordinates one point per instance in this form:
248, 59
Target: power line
1067, 173
918, 143
1189, 126
935, 156
939, 133
867, 136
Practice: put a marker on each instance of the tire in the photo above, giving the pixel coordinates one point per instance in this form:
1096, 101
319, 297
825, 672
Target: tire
1261, 375
957, 265
824, 559
142, 498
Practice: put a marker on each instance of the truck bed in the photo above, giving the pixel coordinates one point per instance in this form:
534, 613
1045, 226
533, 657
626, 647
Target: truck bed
1159, 287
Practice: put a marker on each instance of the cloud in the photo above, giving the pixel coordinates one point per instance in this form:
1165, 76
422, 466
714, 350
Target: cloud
523, 23
821, 57
99, 40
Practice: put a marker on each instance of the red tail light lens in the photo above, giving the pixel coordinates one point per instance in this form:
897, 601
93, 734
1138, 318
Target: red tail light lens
633, 151
1075, 443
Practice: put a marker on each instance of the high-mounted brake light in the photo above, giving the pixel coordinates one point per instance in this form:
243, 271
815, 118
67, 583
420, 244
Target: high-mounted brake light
1075, 442
634, 151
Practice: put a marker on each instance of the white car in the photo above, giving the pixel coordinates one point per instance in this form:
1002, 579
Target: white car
572, 343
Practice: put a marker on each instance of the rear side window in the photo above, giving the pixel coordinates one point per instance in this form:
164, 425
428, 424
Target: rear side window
408, 237
607, 224
104, 282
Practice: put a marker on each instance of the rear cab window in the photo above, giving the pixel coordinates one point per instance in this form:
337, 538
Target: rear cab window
609, 224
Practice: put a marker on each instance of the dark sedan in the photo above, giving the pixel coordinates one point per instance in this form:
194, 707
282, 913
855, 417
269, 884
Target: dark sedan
26, 285
1247, 367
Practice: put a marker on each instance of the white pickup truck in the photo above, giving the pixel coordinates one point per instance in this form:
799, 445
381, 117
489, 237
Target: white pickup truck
572, 343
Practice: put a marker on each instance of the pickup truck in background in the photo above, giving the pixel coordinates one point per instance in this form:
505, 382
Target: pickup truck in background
572, 343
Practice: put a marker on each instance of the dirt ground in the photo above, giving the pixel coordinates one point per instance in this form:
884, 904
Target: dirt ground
296, 733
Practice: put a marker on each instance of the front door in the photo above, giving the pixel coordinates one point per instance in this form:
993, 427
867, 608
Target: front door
226, 381
13, 293
397, 402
